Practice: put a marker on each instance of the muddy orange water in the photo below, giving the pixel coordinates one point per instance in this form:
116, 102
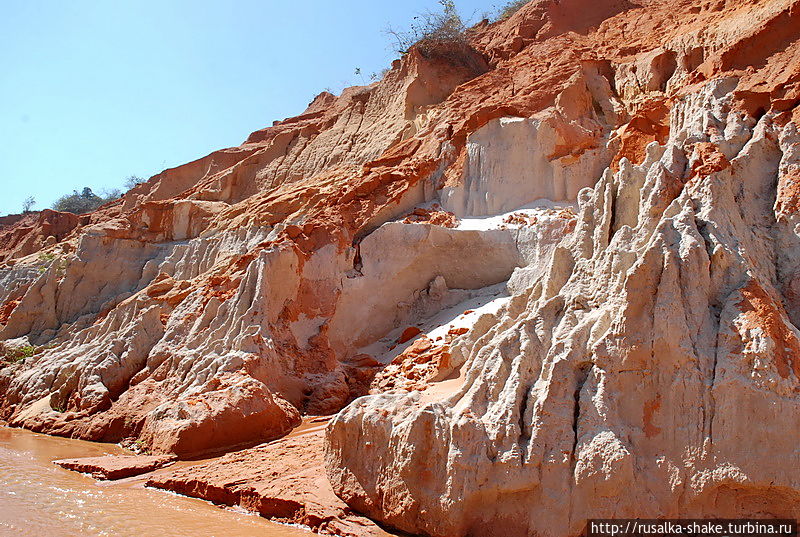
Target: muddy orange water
39, 499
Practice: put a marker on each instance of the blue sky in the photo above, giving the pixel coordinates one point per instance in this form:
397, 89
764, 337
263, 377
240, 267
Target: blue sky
94, 91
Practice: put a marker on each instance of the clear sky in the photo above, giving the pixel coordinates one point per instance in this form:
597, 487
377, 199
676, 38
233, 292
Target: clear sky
92, 91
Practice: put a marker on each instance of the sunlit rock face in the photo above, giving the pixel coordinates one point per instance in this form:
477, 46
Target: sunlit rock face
515, 161
651, 358
648, 367
547, 277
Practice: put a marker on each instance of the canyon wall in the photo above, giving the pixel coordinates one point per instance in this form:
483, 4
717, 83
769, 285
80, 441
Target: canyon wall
547, 276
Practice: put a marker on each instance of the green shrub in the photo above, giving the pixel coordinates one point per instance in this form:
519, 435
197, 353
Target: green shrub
82, 202
49, 259
16, 354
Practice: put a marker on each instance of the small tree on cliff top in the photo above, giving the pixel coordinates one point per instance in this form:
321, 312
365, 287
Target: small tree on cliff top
28, 204
132, 181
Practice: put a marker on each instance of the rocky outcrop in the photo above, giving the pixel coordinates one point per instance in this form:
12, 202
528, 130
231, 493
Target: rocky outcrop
651, 360
283, 480
116, 467
559, 264
511, 162
647, 371
24, 234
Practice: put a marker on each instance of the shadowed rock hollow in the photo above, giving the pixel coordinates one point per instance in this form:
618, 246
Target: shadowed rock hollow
561, 266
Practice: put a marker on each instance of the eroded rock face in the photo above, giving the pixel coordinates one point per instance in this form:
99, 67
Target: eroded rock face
515, 161
563, 262
649, 370
194, 315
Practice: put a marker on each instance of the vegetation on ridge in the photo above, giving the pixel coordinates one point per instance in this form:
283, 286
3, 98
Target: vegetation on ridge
84, 201
431, 32
510, 8
87, 201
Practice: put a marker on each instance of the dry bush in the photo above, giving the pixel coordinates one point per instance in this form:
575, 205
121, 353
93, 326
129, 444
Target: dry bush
510, 8
440, 33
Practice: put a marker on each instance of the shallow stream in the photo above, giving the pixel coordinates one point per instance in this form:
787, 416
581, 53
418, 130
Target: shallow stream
40, 499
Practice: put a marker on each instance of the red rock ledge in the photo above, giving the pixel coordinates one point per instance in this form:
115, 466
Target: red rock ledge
116, 466
283, 480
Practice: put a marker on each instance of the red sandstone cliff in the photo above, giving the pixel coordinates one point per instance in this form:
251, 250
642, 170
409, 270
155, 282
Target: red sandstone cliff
587, 218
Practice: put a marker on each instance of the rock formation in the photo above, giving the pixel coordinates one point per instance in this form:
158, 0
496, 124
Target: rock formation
282, 480
116, 466
551, 276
